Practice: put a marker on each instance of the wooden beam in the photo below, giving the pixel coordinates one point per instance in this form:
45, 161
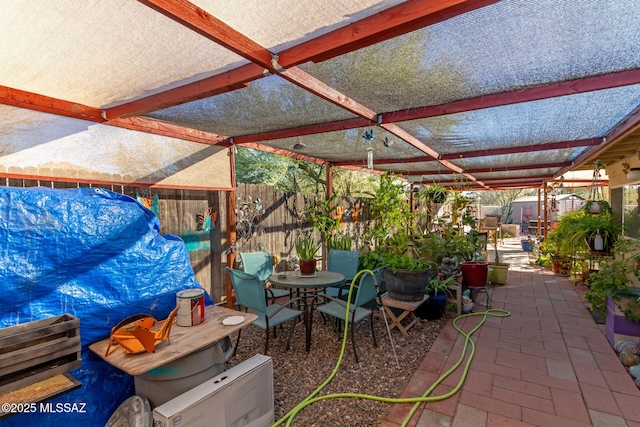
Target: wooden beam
166, 129
393, 161
518, 168
570, 87
210, 27
324, 91
282, 152
627, 128
33, 101
523, 149
212, 86
395, 21
387, 24
207, 25
303, 131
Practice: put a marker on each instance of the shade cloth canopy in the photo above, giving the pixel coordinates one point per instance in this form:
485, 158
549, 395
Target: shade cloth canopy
508, 93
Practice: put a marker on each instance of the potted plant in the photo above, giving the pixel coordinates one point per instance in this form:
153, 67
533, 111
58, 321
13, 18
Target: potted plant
611, 290
407, 274
599, 232
527, 244
436, 306
433, 194
562, 243
306, 247
498, 271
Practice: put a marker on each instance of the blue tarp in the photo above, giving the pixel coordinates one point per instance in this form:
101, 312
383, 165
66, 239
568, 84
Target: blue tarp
96, 255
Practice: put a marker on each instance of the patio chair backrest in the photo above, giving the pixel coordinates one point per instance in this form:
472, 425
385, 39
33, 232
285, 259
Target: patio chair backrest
344, 262
491, 221
258, 263
248, 289
367, 287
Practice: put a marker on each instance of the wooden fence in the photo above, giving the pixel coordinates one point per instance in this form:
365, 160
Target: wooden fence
284, 217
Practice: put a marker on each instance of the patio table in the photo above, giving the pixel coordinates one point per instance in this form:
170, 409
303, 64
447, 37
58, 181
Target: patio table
306, 286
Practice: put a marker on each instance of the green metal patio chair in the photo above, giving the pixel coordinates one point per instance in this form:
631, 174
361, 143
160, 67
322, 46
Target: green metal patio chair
260, 263
345, 263
365, 294
250, 294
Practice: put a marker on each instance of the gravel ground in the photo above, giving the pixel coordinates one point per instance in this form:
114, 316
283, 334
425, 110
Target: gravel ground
298, 373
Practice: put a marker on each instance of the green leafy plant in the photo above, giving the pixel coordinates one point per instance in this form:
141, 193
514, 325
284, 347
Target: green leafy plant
321, 218
340, 241
306, 247
614, 278
390, 209
604, 225
605, 207
436, 285
396, 258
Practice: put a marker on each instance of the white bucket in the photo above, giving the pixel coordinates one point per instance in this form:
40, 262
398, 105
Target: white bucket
191, 307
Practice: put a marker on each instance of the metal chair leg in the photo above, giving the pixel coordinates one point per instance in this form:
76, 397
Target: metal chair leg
237, 342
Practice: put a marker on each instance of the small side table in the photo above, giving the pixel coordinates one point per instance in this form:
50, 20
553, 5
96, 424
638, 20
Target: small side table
408, 307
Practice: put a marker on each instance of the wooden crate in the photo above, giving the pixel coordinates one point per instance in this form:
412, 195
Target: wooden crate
34, 351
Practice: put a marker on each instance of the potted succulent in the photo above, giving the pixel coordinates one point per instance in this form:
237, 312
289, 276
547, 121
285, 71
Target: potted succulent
306, 248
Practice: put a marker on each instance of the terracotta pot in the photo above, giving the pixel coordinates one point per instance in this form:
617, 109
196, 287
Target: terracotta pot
561, 266
307, 267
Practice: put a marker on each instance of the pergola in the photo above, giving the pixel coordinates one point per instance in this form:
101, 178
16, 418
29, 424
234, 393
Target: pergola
508, 94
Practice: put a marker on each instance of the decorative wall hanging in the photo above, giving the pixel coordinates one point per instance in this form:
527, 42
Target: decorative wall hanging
355, 214
148, 201
206, 221
338, 216
369, 136
248, 215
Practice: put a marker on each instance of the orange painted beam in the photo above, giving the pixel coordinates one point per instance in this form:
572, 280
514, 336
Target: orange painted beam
630, 125
392, 22
222, 83
104, 182
167, 129
207, 25
282, 152
571, 87
400, 133
210, 27
303, 130
33, 101
524, 149
395, 21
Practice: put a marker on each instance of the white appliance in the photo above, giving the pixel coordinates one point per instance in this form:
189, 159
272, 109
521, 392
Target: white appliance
239, 397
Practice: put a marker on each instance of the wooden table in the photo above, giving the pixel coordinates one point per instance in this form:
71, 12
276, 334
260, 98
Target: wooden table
307, 285
408, 310
182, 341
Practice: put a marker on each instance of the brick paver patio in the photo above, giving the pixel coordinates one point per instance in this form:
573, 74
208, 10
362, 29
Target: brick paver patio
548, 364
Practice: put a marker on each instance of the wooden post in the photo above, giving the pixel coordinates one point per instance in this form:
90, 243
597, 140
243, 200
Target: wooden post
231, 230
328, 195
539, 216
546, 200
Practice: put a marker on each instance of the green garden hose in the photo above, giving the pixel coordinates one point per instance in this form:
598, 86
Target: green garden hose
417, 400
